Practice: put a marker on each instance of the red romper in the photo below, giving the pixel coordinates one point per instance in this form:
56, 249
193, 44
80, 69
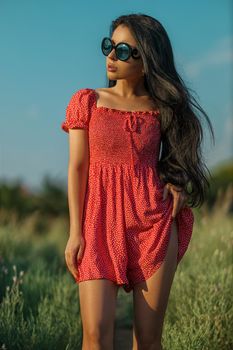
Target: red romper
126, 225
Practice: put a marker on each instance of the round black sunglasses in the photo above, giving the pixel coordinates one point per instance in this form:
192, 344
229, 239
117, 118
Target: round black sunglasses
123, 50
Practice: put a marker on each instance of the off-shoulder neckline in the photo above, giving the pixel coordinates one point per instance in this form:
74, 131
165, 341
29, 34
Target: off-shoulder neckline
155, 111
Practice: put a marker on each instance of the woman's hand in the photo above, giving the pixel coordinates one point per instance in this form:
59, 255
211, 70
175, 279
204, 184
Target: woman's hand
179, 197
74, 252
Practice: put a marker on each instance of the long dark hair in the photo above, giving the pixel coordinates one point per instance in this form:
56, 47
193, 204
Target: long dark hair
181, 161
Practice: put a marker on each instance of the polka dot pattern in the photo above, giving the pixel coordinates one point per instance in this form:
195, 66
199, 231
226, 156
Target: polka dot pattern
126, 224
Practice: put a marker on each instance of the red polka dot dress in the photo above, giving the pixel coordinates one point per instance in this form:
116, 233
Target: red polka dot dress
126, 224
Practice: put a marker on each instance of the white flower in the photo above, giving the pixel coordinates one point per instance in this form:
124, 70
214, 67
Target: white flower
14, 279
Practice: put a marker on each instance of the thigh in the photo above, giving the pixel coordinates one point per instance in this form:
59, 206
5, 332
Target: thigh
150, 297
97, 306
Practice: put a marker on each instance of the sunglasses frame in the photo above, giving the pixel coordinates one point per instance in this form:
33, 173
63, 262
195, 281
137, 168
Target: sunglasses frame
132, 51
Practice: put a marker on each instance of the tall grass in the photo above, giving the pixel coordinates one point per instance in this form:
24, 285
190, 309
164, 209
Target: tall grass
39, 305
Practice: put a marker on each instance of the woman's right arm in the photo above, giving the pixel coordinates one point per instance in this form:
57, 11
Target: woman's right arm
77, 177
77, 181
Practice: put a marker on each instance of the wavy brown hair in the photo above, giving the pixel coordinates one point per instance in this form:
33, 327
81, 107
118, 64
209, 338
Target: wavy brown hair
181, 160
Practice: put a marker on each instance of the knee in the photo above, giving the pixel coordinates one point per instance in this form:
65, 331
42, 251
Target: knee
97, 338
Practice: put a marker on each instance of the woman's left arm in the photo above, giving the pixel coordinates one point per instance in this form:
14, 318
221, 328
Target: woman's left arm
179, 197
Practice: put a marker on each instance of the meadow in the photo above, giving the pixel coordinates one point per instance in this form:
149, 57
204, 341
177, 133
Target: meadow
39, 308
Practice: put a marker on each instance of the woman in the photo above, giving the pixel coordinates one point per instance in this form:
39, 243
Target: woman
130, 204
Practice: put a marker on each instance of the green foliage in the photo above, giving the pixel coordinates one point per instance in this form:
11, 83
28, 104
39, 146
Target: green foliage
50, 202
41, 312
220, 182
18, 201
39, 306
201, 297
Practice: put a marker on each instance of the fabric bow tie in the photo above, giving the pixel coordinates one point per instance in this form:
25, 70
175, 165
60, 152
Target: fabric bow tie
131, 123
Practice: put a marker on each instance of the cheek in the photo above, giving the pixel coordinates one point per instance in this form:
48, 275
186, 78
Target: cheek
129, 69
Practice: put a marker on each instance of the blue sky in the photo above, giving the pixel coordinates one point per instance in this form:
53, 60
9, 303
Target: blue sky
50, 49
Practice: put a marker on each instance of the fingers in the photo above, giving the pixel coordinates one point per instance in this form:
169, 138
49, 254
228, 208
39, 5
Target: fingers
176, 205
71, 262
166, 191
74, 253
81, 250
180, 200
179, 197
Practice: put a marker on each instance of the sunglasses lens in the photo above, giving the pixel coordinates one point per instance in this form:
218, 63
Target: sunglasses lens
122, 52
106, 46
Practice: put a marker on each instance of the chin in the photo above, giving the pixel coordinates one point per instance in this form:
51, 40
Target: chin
111, 73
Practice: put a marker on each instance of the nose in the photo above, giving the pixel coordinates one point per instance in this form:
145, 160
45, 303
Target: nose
112, 54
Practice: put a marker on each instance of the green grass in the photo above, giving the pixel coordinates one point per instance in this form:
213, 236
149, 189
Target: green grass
39, 306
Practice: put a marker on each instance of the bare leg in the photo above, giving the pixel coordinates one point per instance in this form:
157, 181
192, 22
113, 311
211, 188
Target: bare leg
97, 306
150, 299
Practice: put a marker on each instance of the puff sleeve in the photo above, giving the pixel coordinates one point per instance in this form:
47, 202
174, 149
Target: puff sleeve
78, 111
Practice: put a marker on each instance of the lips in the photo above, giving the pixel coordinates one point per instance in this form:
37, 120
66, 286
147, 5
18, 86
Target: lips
110, 66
